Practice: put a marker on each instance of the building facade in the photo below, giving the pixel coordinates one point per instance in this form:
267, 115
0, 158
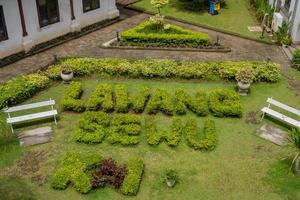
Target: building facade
26, 23
289, 10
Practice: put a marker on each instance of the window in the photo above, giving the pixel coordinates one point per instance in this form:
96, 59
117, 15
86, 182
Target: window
89, 5
48, 12
3, 31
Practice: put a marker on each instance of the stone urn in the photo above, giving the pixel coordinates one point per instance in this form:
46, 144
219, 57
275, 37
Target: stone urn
243, 88
170, 183
67, 76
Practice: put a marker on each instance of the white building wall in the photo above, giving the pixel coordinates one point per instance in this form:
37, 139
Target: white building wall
295, 30
36, 34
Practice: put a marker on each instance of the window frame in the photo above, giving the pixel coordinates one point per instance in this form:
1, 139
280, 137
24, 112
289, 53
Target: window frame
39, 14
91, 9
2, 18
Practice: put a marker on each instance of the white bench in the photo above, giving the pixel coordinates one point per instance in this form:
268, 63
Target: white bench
282, 117
11, 120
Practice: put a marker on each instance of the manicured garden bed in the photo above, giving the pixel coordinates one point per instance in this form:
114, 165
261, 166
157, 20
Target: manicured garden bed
228, 161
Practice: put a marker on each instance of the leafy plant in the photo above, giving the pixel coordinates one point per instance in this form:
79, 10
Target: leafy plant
160, 101
282, 34
296, 59
101, 99
66, 68
121, 98
245, 76
171, 175
295, 139
158, 19
139, 101
71, 99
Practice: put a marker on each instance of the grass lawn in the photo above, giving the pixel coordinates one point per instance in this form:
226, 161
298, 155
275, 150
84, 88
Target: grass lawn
241, 167
236, 17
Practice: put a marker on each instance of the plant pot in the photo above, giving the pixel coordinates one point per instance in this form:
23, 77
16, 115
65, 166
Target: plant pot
243, 88
67, 77
170, 183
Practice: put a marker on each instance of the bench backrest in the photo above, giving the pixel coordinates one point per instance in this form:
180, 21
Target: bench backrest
30, 106
283, 106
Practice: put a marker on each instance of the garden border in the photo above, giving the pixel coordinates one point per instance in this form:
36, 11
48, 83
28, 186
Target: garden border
140, 10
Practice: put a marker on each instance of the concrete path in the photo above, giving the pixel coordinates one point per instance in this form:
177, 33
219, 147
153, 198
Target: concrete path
89, 46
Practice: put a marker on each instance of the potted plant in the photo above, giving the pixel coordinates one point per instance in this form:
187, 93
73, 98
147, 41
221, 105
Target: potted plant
244, 78
171, 178
66, 73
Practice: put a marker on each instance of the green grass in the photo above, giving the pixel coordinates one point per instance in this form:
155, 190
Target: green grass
236, 17
235, 170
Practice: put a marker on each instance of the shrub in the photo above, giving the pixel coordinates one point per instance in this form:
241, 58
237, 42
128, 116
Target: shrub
207, 140
245, 76
225, 103
121, 98
91, 127
139, 101
160, 101
154, 136
71, 98
199, 104
101, 99
182, 100
131, 184
108, 172
146, 33
296, 59
73, 170
19, 89
125, 129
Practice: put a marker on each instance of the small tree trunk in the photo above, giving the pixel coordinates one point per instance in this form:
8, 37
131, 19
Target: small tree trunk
296, 164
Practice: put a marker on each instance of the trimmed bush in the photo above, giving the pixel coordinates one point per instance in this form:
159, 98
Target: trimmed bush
101, 99
207, 140
154, 136
125, 129
146, 34
139, 101
225, 103
199, 104
91, 127
160, 101
19, 89
121, 98
71, 99
73, 170
132, 181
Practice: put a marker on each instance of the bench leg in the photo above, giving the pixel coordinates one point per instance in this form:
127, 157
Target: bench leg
55, 120
11, 127
263, 115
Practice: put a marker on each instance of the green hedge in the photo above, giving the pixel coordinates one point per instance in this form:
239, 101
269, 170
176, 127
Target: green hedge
155, 136
101, 99
132, 181
160, 101
91, 127
125, 129
121, 98
175, 36
208, 138
71, 99
225, 103
73, 170
139, 101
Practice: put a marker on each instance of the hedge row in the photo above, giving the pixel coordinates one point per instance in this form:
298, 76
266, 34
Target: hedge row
160, 101
73, 170
92, 127
158, 68
101, 99
139, 101
208, 139
154, 136
71, 98
132, 181
175, 36
121, 98
125, 129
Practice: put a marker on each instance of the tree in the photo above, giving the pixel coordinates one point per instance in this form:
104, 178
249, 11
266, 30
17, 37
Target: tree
295, 139
159, 18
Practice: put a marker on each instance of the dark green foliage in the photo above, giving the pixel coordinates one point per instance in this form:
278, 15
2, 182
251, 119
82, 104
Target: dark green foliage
262, 7
174, 36
207, 140
101, 99
200, 5
121, 98
71, 99
92, 127
184, 101
225, 103
296, 60
282, 35
139, 101
132, 181
73, 170
19, 89
160, 101
155, 136
125, 129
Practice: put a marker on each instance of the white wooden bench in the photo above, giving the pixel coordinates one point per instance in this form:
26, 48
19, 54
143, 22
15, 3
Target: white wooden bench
11, 120
278, 115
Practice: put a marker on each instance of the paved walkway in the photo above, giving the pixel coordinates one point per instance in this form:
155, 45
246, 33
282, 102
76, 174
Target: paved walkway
89, 46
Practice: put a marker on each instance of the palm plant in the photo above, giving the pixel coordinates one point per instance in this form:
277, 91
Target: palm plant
295, 139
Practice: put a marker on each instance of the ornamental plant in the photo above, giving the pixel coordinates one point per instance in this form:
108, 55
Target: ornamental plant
245, 75
159, 18
66, 68
295, 139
